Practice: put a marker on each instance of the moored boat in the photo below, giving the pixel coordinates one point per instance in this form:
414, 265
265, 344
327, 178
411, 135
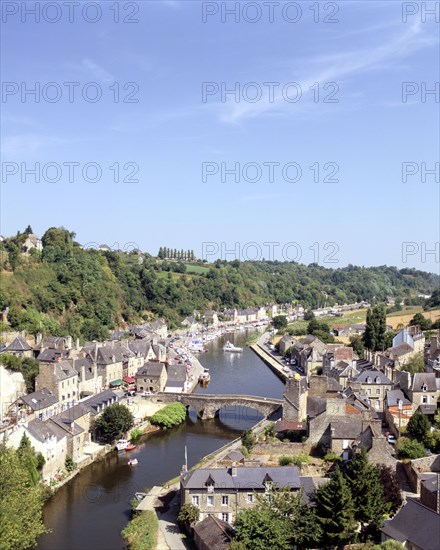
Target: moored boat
230, 347
133, 462
122, 444
130, 447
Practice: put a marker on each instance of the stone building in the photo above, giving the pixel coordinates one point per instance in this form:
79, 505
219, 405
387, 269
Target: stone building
61, 379
223, 492
151, 377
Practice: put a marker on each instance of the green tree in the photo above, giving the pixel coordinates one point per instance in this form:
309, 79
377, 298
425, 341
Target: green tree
335, 510
259, 529
189, 514
28, 230
248, 439
366, 490
391, 487
357, 343
420, 320
418, 426
28, 459
279, 322
410, 448
375, 330
416, 363
21, 504
115, 421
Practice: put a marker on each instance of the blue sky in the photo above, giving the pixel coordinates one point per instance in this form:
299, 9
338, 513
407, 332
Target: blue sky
172, 134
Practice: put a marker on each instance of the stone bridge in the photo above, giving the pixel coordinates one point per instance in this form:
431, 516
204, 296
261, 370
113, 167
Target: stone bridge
209, 406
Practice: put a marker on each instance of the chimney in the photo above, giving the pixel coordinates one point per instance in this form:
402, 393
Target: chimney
77, 343
72, 427
234, 469
38, 338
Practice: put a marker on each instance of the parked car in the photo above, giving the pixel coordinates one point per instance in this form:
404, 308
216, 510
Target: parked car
293, 362
391, 439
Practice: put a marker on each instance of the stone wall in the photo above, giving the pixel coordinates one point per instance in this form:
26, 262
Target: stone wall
414, 468
284, 448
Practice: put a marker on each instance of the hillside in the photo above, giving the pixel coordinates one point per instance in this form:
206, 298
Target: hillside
68, 290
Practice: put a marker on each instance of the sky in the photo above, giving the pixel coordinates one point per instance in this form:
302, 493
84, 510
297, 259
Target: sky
302, 131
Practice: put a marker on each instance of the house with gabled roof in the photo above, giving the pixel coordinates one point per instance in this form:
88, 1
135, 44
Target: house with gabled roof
151, 377
19, 347
41, 405
61, 379
372, 385
223, 492
416, 526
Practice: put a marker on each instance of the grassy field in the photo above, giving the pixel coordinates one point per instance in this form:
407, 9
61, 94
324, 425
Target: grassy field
190, 268
394, 319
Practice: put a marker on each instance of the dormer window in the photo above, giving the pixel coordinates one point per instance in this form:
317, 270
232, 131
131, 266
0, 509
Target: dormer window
268, 482
369, 380
424, 387
377, 380
210, 484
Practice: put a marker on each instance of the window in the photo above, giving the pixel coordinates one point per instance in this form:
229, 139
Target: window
225, 501
369, 391
195, 500
425, 399
378, 391
210, 500
250, 498
225, 516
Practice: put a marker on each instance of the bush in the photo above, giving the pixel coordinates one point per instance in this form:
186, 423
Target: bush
141, 532
332, 457
244, 451
418, 426
189, 514
248, 439
171, 415
69, 464
287, 460
115, 420
409, 448
136, 433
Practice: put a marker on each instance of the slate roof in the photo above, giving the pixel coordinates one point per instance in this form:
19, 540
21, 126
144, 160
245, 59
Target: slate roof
103, 398
64, 370
422, 378
346, 430
246, 478
176, 373
44, 430
373, 376
416, 524
214, 533
393, 397
50, 355
235, 456
18, 344
400, 349
40, 399
151, 369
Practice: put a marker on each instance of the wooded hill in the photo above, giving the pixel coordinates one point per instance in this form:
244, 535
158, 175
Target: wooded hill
66, 289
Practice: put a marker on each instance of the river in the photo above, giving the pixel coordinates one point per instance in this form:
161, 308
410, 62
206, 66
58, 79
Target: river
89, 512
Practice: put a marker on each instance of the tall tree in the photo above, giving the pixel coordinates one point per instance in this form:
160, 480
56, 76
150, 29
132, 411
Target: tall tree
259, 529
21, 504
335, 510
114, 421
376, 327
367, 491
28, 459
418, 426
28, 230
391, 487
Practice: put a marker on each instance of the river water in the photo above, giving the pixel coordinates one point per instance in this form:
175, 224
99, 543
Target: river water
89, 512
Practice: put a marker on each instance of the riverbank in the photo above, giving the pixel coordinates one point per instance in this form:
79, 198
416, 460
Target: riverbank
272, 363
165, 500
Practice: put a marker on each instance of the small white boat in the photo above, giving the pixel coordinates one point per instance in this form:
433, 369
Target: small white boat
122, 444
230, 347
133, 462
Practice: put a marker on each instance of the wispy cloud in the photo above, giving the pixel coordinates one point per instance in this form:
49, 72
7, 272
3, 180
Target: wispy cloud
22, 146
338, 67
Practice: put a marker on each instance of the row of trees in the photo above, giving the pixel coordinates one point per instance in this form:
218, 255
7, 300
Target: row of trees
351, 505
174, 254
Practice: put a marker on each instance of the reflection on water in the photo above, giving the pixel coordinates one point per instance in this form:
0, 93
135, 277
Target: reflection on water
89, 512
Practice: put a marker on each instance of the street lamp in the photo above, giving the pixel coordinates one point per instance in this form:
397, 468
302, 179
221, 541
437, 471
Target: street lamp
400, 407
